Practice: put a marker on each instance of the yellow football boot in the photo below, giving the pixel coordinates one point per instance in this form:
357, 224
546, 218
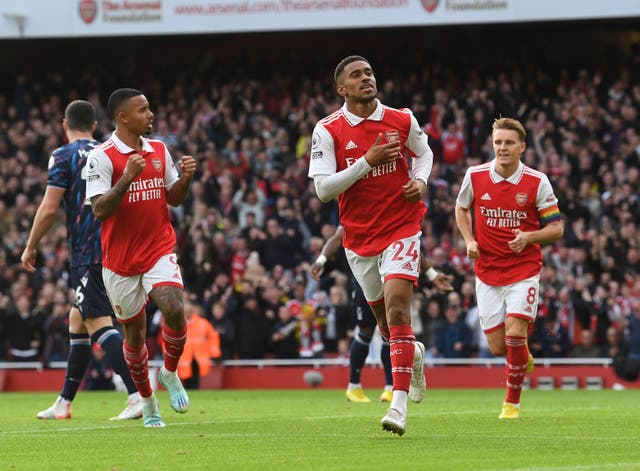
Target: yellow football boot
357, 395
386, 395
509, 411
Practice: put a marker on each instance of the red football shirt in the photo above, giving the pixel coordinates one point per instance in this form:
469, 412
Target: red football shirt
373, 211
522, 201
139, 232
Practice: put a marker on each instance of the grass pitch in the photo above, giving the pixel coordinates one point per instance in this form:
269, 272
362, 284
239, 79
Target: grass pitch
319, 429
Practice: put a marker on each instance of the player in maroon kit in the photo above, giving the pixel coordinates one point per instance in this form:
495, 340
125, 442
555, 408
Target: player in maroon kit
130, 181
514, 211
358, 155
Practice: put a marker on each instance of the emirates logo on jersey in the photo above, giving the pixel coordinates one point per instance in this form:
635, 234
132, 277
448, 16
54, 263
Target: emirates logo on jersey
430, 5
521, 198
157, 164
88, 10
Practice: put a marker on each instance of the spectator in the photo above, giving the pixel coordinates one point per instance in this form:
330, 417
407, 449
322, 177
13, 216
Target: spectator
283, 339
549, 338
99, 376
202, 346
23, 331
454, 338
225, 328
586, 348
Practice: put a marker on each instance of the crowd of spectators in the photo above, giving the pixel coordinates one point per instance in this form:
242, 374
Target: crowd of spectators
252, 223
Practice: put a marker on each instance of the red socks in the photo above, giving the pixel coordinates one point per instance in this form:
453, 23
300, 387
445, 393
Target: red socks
173, 341
137, 361
402, 350
517, 356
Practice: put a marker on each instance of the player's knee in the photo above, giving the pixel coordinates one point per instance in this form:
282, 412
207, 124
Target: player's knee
175, 318
398, 315
498, 350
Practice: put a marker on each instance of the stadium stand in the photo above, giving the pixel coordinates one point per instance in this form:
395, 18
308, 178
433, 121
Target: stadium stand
244, 107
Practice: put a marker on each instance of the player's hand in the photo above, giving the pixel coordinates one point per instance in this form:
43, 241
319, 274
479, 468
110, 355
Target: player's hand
442, 282
316, 270
519, 242
382, 153
135, 166
28, 259
413, 190
473, 251
187, 166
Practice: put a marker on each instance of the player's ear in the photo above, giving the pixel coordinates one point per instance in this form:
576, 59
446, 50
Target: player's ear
341, 90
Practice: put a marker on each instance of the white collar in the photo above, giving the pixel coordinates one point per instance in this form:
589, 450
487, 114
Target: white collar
354, 120
125, 149
513, 179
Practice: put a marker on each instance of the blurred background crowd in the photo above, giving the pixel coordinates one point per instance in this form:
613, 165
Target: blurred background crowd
252, 223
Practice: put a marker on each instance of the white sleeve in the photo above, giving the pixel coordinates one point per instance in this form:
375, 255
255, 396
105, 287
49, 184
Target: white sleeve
465, 196
171, 172
418, 143
322, 167
545, 197
99, 173
330, 186
323, 156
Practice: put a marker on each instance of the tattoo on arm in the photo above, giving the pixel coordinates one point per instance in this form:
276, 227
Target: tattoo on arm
107, 204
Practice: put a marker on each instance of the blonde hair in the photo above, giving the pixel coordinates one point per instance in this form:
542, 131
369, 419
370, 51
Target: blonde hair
512, 124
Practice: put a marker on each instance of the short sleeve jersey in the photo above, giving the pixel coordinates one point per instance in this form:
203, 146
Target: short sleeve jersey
67, 171
139, 232
373, 211
524, 201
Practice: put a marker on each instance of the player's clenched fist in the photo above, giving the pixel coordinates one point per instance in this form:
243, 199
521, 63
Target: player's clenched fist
187, 166
135, 166
473, 251
413, 190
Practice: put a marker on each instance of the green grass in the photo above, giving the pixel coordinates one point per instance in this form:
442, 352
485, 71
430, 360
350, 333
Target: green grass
318, 429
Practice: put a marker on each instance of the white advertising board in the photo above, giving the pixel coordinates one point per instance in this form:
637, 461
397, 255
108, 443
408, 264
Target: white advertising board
86, 18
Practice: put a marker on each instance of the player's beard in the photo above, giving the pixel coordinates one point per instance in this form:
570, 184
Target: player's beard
364, 100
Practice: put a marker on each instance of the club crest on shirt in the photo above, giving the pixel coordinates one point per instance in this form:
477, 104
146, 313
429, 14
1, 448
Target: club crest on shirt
392, 135
521, 198
157, 164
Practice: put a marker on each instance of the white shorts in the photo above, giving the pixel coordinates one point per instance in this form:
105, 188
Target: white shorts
400, 260
518, 299
128, 294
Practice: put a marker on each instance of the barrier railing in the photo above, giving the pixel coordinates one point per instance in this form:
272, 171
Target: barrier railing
320, 362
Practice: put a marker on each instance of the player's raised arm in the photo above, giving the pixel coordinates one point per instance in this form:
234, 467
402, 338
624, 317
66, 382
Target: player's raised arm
180, 189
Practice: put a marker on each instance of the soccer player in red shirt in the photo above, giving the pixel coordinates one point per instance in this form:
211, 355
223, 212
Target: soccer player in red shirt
366, 322
130, 181
90, 318
514, 211
358, 155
